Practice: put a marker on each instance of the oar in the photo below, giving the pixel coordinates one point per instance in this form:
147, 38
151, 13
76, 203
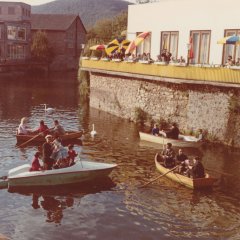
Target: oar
223, 173
28, 141
158, 177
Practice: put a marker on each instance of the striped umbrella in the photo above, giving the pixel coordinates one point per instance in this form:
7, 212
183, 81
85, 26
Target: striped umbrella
98, 47
230, 40
117, 45
139, 39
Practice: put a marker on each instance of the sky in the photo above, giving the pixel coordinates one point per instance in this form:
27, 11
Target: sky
38, 2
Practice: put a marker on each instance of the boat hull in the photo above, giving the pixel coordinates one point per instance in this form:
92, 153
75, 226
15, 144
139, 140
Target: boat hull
78, 173
163, 141
198, 183
70, 135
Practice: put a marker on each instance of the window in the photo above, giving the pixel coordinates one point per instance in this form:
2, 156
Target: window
201, 47
231, 49
16, 51
169, 41
16, 33
11, 10
145, 46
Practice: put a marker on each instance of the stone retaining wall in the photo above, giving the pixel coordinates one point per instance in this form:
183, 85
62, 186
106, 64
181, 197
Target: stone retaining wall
191, 106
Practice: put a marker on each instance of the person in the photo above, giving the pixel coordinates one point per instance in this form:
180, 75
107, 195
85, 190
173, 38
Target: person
200, 135
60, 155
168, 155
230, 61
58, 130
237, 62
47, 150
181, 159
35, 163
155, 130
43, 128
71, 154
197, 170
23, 128
172, 133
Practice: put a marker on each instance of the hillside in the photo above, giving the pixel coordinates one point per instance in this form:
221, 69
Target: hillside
90, 11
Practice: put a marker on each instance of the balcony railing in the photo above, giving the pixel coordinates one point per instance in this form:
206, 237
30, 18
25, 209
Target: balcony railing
198, 73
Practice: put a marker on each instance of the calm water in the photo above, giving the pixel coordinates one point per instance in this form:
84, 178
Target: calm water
116, 208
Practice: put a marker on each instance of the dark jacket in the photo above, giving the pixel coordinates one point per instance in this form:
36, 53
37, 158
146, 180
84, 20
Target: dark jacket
47, 152
198, 170
173, 133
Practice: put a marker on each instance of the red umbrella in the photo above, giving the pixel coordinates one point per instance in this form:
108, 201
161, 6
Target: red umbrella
139, 39
190, 53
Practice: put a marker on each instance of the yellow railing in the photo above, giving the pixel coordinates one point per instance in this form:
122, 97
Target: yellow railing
216, 74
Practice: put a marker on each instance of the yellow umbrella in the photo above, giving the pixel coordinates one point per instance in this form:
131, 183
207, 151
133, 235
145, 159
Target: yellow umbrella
117, 45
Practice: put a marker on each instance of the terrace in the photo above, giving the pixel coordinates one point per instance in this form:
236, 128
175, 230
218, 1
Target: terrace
199, 74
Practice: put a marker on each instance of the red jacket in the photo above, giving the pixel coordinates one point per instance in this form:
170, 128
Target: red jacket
35, 165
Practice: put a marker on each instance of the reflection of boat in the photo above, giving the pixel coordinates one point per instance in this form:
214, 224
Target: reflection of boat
183, 141
82, 171
69, 135
196, 183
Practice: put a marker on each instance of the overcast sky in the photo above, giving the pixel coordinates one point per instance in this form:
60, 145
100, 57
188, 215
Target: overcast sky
38, 2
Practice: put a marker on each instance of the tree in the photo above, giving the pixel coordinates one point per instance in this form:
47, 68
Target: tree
40, 49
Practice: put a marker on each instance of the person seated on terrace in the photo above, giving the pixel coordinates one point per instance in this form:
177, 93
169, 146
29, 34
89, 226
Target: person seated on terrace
138, 57
144, 57
230, 61
149, 59
237, 62
181, 60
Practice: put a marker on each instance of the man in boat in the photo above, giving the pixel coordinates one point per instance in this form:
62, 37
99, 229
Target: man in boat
47, 150
172, 133
168, 156
155, 130
181, 161
197, 170
58, 130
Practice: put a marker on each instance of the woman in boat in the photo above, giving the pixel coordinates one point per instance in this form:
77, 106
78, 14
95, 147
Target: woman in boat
23, 128
168, 156
35, 163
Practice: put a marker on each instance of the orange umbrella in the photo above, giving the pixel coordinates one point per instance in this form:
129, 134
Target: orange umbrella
139, 39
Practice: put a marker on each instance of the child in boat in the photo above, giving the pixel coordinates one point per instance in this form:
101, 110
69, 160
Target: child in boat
35, 163
71, 154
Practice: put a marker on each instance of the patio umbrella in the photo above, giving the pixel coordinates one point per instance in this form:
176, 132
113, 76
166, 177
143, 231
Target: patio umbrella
230, 40
190, 53
139, 39
98, 47
112, 46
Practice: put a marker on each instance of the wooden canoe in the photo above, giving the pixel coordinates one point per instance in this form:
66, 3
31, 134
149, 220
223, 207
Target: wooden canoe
69, 135
197, 183
183, 141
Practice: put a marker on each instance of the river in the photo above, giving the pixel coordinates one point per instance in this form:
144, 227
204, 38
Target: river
116, 208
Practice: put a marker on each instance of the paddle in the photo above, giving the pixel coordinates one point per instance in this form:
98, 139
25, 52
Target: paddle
159, 177
28, 141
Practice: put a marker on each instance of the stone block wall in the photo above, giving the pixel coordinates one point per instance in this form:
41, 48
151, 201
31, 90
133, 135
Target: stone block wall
191, 106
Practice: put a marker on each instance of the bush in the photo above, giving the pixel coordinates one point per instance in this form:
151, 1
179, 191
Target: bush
140, 115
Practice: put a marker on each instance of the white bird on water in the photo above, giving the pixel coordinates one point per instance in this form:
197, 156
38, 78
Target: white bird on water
93, 132
49, 110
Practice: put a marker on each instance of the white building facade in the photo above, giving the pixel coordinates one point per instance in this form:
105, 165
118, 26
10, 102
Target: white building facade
187, 28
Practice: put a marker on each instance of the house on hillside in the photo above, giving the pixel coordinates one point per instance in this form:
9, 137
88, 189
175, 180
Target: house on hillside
65, 33
15, 33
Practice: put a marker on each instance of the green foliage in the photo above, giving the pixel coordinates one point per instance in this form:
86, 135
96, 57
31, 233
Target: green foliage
162, 123
140, 115
234, 104
40, 49
106, 30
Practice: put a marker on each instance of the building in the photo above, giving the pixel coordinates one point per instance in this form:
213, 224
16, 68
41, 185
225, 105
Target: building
184, 25
65, 33
15, 32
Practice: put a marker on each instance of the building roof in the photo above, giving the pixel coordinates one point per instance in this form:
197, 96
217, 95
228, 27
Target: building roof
58, 22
